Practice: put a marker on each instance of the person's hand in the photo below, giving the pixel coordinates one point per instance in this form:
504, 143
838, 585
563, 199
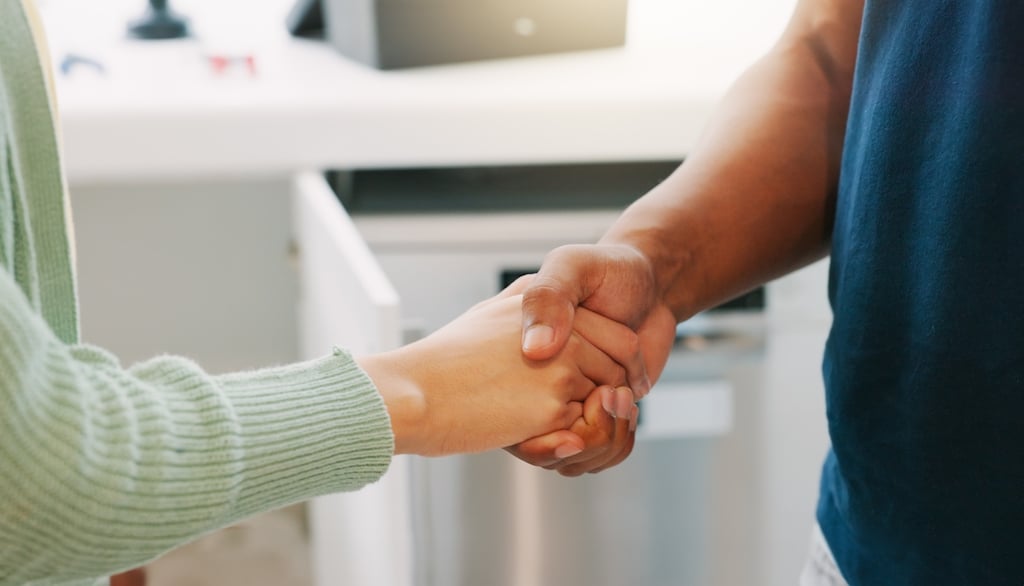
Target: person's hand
468, 388
612, 280
617, 282
602, 437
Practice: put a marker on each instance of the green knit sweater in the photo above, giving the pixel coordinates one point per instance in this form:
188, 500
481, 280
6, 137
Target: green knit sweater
104, 467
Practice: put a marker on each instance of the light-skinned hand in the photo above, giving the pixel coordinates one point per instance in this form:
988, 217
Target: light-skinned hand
468, 388
606, 430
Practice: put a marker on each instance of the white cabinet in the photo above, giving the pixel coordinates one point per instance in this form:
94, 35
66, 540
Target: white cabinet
346, 300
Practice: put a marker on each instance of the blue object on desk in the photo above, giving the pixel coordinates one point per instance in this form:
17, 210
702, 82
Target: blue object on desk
71, 60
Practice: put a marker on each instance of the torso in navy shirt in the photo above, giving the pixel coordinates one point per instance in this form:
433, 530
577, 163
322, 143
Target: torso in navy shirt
924, 366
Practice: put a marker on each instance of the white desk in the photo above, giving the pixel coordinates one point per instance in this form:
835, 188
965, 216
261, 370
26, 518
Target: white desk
158, 113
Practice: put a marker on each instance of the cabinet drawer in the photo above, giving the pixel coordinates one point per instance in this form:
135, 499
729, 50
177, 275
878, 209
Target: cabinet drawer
346, 300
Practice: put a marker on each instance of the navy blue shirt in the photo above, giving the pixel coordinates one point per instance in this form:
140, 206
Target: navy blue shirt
924, 366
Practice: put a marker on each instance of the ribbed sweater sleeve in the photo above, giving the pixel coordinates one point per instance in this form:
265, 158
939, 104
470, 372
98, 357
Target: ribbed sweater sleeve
103, 467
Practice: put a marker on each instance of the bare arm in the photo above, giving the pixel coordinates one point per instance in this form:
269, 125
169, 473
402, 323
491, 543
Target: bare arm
756, 198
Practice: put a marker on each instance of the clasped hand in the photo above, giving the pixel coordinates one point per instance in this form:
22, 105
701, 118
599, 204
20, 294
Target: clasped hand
468, 388
614, 280
569, 406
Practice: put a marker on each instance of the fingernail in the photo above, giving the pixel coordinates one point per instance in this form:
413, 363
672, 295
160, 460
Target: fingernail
634, 418
624, 402
538, 336
566, 451
608, 400
641, 387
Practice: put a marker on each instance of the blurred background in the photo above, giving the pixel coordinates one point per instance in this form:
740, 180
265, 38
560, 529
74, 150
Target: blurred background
288, 176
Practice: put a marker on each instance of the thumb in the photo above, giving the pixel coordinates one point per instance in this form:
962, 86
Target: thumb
548, 312
566, 278
549, 449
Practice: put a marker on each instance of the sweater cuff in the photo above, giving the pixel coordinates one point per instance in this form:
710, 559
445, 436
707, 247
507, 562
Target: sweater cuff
307, 429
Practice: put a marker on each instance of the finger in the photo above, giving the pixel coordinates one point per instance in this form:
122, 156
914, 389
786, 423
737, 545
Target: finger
550, 300
547, 319
570, 413
548, 449
657, 335
627, 448
620, 343
595, 366
517, 287
619, 400
600, 430
514, 288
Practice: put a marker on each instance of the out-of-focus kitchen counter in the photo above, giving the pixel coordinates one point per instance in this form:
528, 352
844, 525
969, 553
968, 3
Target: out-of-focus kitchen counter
159, 112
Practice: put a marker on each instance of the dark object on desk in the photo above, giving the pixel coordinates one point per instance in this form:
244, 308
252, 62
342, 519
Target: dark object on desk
392, 34
158, 22
306, 19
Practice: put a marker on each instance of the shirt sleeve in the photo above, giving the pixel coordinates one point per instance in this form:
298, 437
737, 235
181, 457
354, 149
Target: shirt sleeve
103, 468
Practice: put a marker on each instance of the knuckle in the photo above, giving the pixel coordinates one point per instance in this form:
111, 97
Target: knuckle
561, 415
544, 295
601, 441
566, 253
563, 378
631, 343
541, 288
571, 471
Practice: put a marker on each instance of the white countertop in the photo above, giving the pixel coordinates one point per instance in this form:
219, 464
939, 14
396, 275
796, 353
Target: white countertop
159, 113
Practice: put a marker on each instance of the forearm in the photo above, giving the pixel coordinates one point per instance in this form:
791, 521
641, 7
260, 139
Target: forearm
755, 199
103, 467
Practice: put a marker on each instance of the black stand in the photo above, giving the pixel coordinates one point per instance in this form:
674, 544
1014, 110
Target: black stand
159, 22
306, 19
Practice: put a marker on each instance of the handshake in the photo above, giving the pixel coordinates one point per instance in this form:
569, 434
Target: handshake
560, 394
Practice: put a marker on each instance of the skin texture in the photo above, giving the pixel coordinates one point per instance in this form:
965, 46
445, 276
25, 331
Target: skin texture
755, 200
467, 388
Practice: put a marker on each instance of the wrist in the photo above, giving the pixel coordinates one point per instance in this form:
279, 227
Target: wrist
392, 374
666, 265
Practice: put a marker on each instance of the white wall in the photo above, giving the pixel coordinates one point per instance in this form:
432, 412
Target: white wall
201, 270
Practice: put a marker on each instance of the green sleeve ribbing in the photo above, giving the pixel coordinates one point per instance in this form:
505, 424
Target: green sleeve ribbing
103, 468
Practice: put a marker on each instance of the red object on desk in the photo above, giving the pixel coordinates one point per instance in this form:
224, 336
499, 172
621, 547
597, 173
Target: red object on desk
221, 63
